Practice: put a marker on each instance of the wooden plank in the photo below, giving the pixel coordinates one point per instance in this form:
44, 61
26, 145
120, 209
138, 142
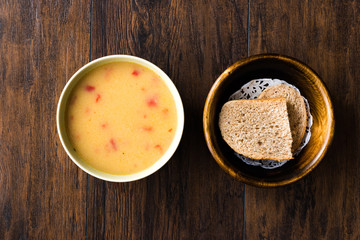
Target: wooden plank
326, 204
190, 197
43, 194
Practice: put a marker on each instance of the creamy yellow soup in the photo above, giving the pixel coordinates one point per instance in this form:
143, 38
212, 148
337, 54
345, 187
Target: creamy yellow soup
121, 118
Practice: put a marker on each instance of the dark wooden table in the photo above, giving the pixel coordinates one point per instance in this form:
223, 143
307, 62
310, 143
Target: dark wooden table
43, 195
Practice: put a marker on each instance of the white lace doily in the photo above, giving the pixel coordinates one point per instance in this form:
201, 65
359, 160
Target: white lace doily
252, 90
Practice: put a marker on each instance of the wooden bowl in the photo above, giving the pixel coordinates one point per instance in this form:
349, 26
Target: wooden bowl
310, 86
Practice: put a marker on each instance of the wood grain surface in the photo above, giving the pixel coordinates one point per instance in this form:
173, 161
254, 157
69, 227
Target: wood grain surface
326, 204
43, 195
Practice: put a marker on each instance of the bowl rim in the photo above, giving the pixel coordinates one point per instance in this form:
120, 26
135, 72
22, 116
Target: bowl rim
61, 107
324, 93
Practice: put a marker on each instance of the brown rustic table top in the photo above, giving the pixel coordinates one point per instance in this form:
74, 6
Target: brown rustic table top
44, 195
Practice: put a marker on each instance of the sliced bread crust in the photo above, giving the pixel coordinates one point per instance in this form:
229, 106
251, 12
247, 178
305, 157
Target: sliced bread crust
296, 109
257, 129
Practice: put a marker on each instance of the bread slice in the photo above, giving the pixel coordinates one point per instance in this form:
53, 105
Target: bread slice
257, 129
296, 109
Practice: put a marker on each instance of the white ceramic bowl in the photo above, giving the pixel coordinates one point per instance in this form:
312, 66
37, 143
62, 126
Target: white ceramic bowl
61, 123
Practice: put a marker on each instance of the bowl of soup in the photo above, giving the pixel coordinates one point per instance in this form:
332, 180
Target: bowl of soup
120, 118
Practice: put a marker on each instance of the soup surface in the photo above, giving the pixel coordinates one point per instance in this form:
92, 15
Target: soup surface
121, 118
